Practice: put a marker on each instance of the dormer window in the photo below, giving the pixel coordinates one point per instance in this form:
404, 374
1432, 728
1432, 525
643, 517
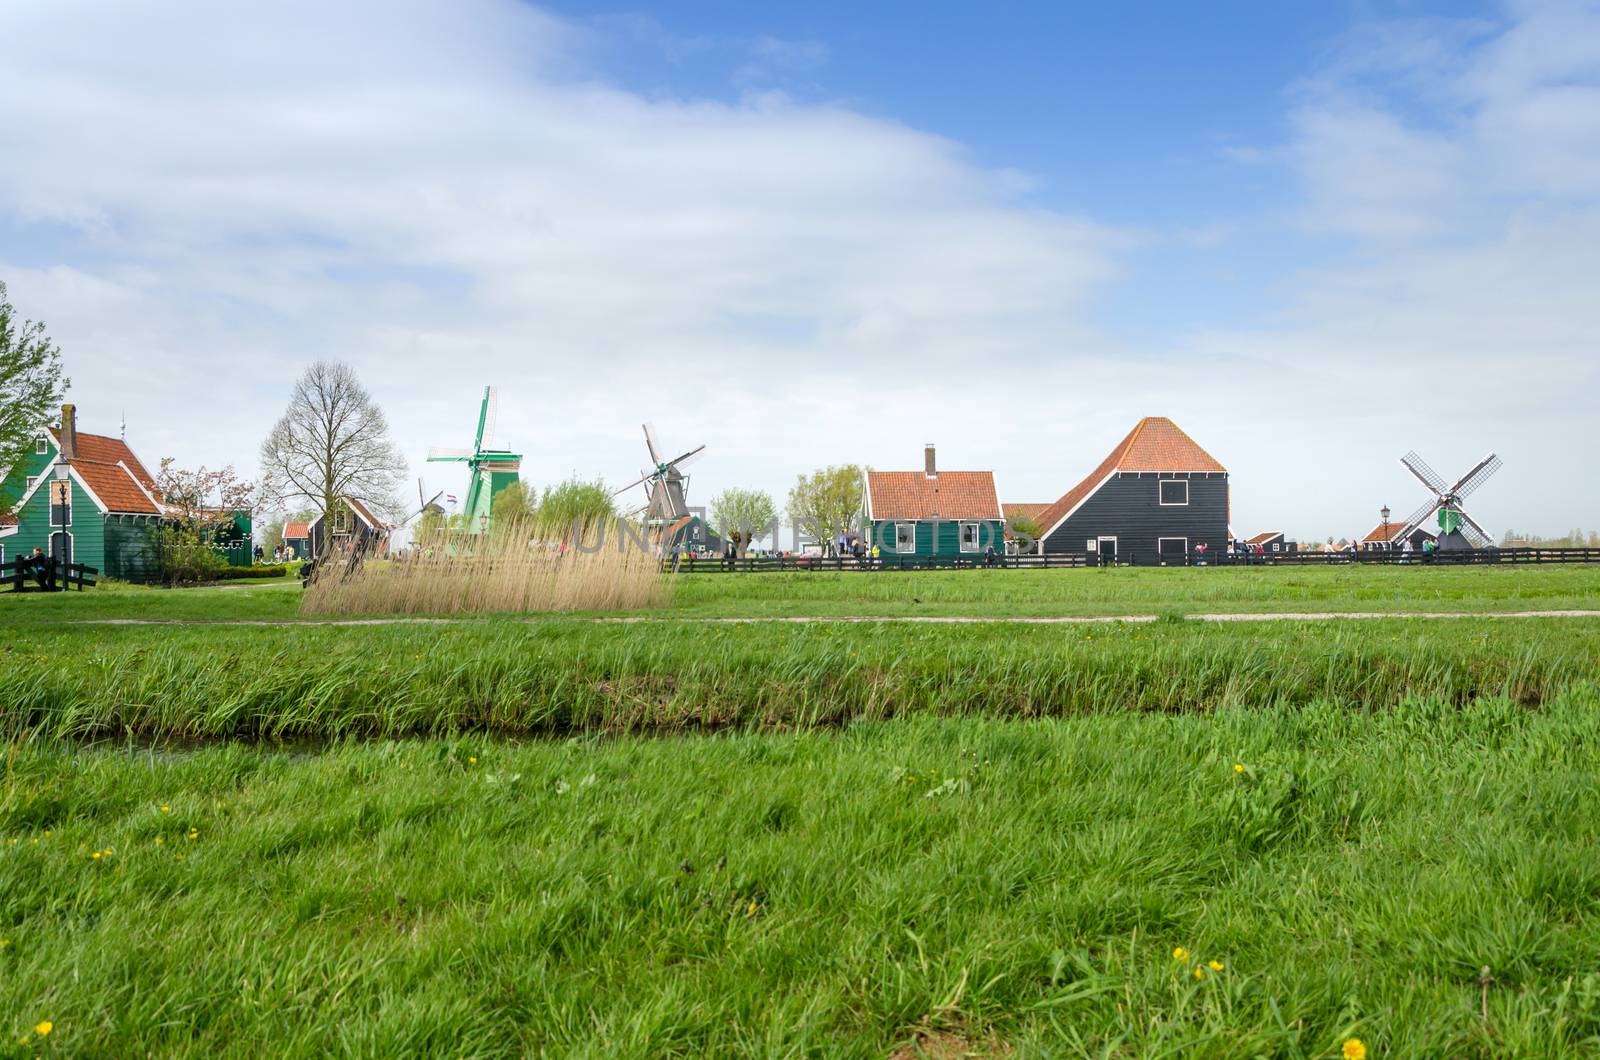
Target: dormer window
41, 445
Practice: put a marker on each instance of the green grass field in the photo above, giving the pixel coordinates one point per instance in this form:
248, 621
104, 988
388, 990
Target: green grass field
675, 837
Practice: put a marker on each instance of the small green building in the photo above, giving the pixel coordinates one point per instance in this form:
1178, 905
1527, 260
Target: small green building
86, 498
932, 514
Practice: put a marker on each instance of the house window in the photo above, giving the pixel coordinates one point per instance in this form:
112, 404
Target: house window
905, 537
1094, 544
41, 445
969, 537
341, 521
1174, 491
60, 502
31, 480
1172, 549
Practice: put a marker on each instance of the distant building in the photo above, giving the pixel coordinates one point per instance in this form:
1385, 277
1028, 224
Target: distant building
934, 514
1272, 541
1155, 498
354, 526
1388, 537
297, 538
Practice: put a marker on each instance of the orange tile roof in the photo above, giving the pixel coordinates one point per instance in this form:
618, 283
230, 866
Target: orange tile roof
296, 531
1394, 531
1263, 538
947, 495
1024, 511
115, 486
1154, 444
104, 450
8, 520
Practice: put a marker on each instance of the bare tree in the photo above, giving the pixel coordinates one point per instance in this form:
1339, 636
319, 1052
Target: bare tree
332, 442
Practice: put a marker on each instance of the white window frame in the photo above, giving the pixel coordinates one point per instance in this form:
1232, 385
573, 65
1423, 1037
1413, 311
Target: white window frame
28, 481
1162, 555
977, 537
1172, 504
1094, 544
41, 445
50, 505
910, 546
1107, 537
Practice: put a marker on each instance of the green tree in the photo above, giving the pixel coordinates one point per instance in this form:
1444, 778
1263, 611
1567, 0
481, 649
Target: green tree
517, 504
827, 502
742, 516
575, 506
31, 386
1023, 526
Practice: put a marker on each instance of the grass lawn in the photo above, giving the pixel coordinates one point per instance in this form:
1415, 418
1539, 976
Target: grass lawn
832, 839
948, 883
1122, 591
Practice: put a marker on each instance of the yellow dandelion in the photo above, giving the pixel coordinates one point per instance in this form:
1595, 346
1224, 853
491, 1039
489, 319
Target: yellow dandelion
472, 760
47, 833
166, 809
1217, 966
1199, 973
4, 943
751, 911
1180, 954
12, 842
108, 851
160, 841
1238, 767
193, 836
1354, 1049
43, 1027
95, 855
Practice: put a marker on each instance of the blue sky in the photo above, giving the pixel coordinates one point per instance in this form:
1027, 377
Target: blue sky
1314, 235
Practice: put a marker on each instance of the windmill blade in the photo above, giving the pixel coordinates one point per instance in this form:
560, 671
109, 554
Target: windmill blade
1425, 474
445, 452
1477, 476
1417, 517
1473, 532
687, 458
420, 501
641, 480
650, 441
487, 417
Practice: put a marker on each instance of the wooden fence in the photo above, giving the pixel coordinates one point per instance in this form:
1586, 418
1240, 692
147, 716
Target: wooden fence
28, 575
1052, 560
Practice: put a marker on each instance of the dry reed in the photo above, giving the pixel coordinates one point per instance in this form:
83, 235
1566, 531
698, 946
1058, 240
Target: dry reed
516, 567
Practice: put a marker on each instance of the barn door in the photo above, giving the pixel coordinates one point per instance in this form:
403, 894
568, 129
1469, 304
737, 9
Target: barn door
1108, 550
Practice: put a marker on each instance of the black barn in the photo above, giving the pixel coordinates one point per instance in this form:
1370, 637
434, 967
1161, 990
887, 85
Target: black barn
1153, 500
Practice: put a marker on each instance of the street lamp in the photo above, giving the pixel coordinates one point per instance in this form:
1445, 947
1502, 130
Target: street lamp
1384, 511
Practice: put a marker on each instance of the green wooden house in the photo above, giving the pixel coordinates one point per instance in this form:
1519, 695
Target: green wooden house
82, 498
933, 514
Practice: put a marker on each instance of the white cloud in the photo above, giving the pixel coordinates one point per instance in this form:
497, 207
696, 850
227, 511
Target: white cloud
449, 195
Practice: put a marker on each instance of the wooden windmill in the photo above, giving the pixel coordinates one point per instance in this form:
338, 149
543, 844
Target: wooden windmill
1456, 528
491, 469
666, 507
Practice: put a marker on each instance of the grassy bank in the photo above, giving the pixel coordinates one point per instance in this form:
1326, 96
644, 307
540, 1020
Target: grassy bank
989, 593
559, 677
997, 885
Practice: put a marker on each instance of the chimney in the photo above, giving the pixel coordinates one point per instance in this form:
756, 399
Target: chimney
69, 433
929, 467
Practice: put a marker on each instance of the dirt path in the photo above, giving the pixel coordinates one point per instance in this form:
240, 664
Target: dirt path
1041, 620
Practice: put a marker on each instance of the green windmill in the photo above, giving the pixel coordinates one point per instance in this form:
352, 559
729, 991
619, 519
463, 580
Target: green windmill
491, 469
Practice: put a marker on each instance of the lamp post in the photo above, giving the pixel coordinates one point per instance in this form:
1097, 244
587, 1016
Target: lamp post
1384, 511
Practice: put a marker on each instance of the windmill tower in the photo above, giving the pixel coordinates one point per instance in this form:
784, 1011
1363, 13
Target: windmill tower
665, 482
491, 470
1456, 528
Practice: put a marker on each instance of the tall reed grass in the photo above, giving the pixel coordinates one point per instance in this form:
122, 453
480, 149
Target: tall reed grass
520, 566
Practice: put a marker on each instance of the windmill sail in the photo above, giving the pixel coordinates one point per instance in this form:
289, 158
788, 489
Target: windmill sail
1425, 474
1477, 476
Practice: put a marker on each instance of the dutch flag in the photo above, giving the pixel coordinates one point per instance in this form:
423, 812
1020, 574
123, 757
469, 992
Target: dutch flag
450, 499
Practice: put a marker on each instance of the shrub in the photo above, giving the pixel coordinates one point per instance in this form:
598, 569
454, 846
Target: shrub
228, 574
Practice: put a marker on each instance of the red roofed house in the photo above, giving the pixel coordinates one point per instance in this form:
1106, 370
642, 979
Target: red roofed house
83, 498
1374, 541
297, 536
1155, 498
932, 513
1272, 541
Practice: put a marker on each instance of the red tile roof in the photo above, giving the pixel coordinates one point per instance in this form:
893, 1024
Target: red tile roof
1263, 538
104, 450
1024, 511
116, 487
1394, 532
8, 520
296, 531
947, 495
1154, 444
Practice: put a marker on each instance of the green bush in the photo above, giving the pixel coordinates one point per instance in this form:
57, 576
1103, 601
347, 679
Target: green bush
227, 574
